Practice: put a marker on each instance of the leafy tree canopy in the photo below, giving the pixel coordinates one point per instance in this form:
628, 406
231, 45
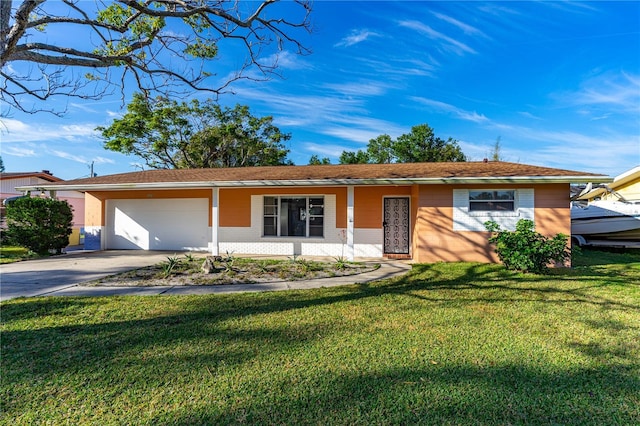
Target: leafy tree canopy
351, 157
160, 46
419, 145
171, 135
317, 161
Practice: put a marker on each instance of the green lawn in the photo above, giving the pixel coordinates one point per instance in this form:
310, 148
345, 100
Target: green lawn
448, 344
9, 254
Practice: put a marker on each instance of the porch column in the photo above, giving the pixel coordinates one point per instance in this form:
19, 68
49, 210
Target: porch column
214, 221
350, 202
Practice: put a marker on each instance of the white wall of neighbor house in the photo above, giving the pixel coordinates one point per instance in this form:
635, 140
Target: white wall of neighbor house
250, 240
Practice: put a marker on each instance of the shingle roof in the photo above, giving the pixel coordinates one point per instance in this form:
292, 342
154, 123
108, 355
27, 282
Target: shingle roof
42, 175
336, 174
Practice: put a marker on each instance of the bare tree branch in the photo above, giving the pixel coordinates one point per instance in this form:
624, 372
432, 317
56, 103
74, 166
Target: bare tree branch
163, 45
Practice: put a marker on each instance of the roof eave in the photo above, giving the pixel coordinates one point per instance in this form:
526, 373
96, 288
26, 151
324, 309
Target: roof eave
318, 182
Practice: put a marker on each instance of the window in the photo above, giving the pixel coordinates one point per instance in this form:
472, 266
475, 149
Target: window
293, 216
491, 201
270, 216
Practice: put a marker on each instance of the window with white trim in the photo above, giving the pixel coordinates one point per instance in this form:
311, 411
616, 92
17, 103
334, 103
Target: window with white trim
293, 216
492, 201
464, 219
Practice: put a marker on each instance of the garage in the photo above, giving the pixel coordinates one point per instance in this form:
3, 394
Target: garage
158, 224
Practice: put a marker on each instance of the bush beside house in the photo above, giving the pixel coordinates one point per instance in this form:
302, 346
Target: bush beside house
39, 224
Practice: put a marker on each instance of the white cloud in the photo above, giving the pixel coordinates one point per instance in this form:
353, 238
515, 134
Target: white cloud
18, 152
451, 109
467, 29
611, 91
622, 90
103, 160
330, 150
17, 131
82, 107
528, 115
498, 9
287, 60
358, 135
11, 125
78, 131
80, 158
355, 37
571, 150
344, 117
69, 156
364, 88
400, 67
448, 43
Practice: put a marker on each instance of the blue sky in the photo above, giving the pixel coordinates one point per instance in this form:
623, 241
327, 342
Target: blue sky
557, 82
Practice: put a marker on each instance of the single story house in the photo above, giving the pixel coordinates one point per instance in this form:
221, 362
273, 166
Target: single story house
427, 212
10, 180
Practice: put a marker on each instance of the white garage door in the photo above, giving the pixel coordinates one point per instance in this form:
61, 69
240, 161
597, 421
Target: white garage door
169, 224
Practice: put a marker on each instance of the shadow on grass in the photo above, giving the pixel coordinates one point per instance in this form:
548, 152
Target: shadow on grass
443, 395
212, 331
589, 256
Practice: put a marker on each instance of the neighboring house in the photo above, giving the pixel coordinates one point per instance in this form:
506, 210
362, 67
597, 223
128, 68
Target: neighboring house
9, 181
625, 185
427, 212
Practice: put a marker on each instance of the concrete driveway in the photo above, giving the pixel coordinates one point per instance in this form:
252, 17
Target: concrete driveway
45, 276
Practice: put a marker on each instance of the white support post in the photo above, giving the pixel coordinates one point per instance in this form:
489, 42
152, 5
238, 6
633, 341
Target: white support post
350, 202
214, 221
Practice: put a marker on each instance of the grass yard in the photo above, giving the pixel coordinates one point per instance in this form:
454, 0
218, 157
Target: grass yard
9, 254
447, 344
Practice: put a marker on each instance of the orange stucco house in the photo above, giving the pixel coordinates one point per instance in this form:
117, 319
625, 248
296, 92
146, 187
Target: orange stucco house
426, 212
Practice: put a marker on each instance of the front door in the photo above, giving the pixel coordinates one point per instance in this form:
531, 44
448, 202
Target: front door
396, 225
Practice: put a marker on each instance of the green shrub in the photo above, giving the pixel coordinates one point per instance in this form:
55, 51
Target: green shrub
526, 250
39, 224
169, 266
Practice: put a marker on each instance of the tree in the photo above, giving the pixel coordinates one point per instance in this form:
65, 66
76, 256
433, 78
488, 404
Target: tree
419, 145
171, 135
159, 46
39, 224
317, 161
380, 150
350, 157
496, 154
1, 165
